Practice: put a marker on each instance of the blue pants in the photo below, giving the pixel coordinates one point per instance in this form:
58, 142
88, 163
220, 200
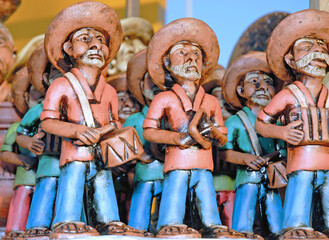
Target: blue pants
41, 209
101, 195
140, 208
299, 197
175, 186
246, 197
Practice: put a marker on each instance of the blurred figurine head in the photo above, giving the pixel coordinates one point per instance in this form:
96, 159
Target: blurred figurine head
7, 52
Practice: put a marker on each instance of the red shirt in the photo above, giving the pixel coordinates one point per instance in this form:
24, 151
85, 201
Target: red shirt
306, 157
173, 107
62, 103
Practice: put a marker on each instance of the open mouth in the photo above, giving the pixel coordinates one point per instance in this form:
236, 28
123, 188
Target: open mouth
191, 69
319, 62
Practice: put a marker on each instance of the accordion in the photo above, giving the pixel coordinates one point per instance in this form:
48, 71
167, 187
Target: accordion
315, 124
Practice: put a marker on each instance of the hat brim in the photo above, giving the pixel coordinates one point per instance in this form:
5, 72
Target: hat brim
136, 70
253, 61
87, 14
139, 27
214, 79
184, 29
36, 66
308, 22
118, 82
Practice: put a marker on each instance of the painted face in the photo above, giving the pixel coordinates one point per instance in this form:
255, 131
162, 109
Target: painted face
127, 105
129, 47
7, 54
89, 47
311, 56
185, 62
258, 87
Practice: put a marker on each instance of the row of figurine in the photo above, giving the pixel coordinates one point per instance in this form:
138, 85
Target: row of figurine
211, 179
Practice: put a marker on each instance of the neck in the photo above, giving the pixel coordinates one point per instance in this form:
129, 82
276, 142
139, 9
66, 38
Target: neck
190, 89
91, 75
313, 84
254, 107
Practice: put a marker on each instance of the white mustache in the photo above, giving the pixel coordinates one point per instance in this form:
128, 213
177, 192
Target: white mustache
94, 52
310, 57
262, 92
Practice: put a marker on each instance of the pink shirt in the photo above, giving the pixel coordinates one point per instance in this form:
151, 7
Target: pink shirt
174, 106
304, 157
62, 103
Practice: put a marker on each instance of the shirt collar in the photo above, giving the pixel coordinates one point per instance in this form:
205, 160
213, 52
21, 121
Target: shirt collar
92, 96
145, 109
186, 102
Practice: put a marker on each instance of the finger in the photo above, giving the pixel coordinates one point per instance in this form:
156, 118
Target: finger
253, 166
40, 135
295, 124
85, 139
78, 142
296, 138
39, 142
296, 131
261, 161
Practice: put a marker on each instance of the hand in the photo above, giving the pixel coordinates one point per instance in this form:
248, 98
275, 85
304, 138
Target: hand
87, 136
36, 145
292, 135
184, 140
254, 162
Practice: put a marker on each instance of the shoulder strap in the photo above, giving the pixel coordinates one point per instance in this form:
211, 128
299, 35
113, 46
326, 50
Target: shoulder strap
298, 95
251, 132
85, 106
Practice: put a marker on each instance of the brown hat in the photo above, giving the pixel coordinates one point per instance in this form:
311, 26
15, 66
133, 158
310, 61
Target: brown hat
184, 29
215, 79
308, 22
139, 27
118, 81
36, 66
136, 70
253, 61
87, 14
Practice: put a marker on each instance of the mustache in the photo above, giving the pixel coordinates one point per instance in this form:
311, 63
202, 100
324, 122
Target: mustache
94, 52
310, 57
262, 92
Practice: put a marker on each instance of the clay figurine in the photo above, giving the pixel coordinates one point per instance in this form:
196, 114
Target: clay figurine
249, 85
179, 57
137, 33
148, 177
298, 51
23, 185
80, 107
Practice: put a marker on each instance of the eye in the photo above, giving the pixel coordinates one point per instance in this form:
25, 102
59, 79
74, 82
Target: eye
100, 39
253, 80
181, 52
196, 53
268, 81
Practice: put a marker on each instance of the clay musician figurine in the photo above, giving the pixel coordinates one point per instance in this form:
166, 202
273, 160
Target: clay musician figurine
179, 57
249, 85
82, 39
298, 51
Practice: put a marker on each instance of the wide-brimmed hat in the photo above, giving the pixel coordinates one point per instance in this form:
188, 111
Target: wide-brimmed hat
87, 14
308, 22
139, 27
184, 29
253, 61
36, 66
214, 79
136, 70
118, 82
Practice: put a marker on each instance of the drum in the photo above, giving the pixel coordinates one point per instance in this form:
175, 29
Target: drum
121, 146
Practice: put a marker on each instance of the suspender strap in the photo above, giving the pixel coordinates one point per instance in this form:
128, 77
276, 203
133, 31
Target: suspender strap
85, 106
298, 95
251, 132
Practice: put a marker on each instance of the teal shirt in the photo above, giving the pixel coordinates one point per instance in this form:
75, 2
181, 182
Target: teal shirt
23, 177
238, 140
48, 164
144, 172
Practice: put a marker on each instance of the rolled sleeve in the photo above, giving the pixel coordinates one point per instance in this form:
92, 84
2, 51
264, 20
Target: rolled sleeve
156, 111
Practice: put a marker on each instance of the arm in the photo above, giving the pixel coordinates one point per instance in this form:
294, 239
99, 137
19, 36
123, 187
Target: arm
165, 137
250, 160
18, 159
34, 144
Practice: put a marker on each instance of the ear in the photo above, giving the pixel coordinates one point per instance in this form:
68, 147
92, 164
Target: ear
289, 59
240, 91
67, 47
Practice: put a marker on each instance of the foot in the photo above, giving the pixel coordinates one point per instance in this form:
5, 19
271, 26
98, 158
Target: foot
72, 230
36, 234
302, 233
119, 228
13, 235
178, 231
252, 236
220, 231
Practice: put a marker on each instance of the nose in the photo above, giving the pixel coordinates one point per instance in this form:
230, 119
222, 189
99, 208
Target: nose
191, 56
129, 103
262, 85
94, 43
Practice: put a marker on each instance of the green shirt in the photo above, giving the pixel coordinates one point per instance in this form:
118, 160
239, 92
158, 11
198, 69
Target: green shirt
23, 177
238, 140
